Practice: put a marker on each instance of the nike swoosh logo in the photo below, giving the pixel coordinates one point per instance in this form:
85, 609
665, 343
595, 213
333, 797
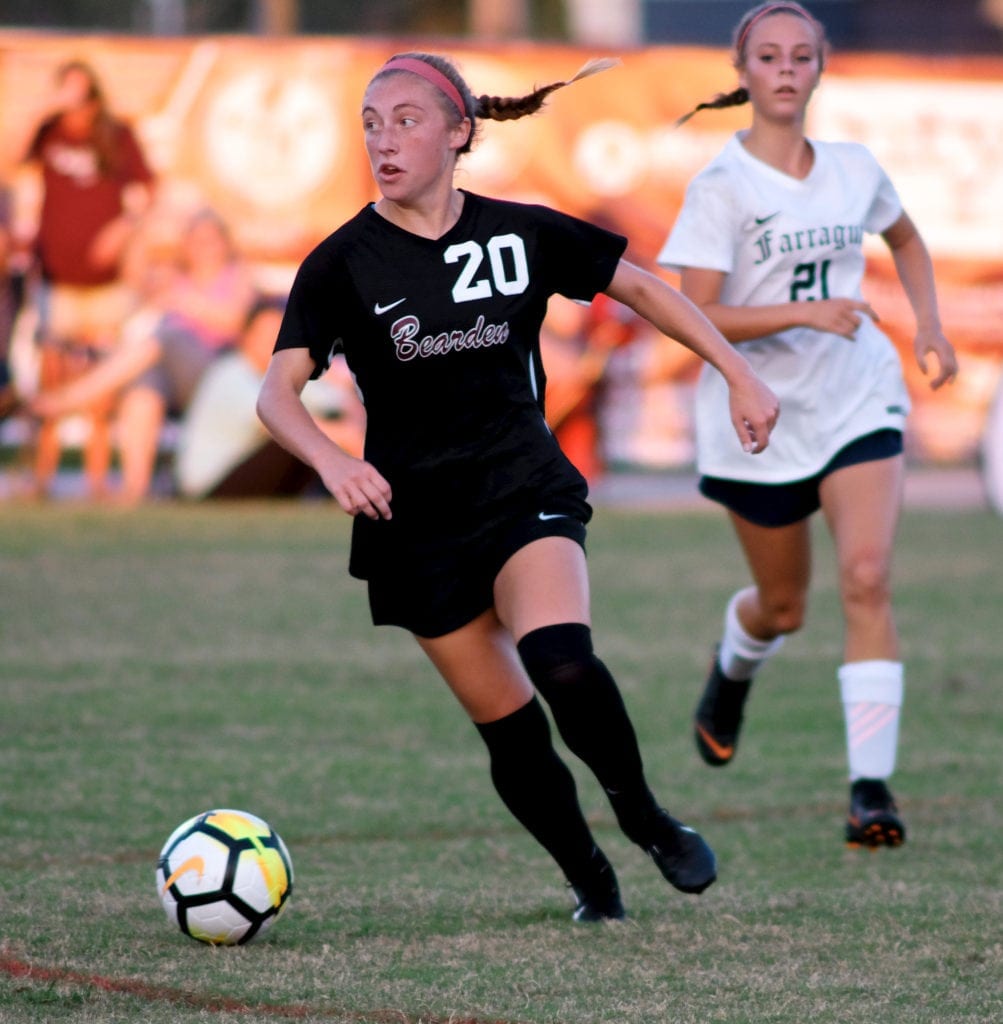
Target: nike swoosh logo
192, 864
725, 753
380, 310
760, 221
551, 515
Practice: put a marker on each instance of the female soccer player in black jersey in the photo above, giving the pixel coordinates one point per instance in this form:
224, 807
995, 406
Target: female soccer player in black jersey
469, 520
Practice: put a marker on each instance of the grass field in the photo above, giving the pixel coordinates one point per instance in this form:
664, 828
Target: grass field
161, 662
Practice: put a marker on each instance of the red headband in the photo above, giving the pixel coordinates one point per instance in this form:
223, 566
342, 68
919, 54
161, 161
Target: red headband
772, 9
432, 75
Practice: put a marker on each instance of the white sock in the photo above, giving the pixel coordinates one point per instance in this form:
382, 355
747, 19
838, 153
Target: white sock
872, 696
740, 655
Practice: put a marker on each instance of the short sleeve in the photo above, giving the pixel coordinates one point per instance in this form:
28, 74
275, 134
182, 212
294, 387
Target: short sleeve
704, 232
886, 207
134, 167
581, 258
311, 319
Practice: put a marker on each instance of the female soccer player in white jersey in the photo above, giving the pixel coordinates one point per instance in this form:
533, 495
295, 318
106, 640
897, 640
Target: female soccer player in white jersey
768, 244
469, 521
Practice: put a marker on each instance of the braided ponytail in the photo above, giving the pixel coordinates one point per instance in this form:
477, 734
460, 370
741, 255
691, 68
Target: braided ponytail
489, 108
721, 101
496, 108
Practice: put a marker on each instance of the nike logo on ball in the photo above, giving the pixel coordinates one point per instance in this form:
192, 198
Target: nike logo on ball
380, 310
196, 864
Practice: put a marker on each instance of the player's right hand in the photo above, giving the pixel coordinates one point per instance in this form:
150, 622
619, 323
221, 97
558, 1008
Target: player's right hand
837, 316
357, 486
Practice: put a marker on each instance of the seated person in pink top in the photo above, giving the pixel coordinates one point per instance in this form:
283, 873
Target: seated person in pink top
193, 314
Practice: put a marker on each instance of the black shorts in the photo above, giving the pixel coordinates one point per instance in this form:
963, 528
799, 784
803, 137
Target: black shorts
440, 598
784, 504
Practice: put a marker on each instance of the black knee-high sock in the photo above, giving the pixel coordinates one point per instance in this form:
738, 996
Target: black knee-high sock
536, 786
591, 717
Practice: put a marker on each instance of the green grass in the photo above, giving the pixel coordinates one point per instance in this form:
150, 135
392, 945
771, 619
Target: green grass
160, 662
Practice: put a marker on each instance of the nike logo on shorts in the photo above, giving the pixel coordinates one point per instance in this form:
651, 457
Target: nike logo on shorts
380, 310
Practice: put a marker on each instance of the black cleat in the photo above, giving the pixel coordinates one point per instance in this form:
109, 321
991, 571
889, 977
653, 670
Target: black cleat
718, 716
598, 895
873, 820
682, 855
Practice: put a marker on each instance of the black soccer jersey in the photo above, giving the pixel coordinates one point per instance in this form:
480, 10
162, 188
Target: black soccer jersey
442, 336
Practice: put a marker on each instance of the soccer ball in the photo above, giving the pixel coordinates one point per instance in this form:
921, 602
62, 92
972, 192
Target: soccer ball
224, 877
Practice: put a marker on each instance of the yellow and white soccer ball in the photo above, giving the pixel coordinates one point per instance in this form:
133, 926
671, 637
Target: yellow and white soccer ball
224, 877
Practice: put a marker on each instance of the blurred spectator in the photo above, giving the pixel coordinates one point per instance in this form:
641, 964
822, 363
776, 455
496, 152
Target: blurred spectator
224, 450
9, 301
577, 342
992, 452
96, 184
193, 312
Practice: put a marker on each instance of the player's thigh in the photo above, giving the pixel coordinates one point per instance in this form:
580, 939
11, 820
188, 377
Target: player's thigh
861, 504
481, 665
779, 558
545, 583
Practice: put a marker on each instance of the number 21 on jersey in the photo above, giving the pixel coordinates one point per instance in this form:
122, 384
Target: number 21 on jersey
811, 282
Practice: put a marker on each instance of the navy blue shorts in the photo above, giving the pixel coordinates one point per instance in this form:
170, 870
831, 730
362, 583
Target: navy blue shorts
784, 504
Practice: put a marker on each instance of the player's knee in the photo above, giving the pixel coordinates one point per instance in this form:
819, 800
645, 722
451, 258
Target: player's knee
786, 614
864, 580
520, 737
557, 655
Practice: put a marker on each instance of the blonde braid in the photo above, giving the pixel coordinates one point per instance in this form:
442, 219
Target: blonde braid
720, 102
497, 108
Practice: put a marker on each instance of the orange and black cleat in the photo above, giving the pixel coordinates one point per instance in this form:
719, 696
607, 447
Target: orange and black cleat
718, 717
873, 820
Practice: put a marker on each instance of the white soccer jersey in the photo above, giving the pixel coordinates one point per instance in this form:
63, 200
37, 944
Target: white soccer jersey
780, 239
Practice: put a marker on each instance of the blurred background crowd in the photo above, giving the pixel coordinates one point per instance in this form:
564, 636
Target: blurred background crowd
166, 164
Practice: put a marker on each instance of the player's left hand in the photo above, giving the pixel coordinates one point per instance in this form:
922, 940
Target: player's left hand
931, 341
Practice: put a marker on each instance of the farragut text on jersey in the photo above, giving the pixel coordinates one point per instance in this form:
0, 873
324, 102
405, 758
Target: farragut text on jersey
837, 237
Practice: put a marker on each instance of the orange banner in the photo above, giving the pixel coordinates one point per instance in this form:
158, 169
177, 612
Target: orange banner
267, 132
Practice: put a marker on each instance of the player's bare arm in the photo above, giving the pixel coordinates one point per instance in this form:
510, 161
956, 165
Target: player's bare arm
754, 407
915, 271
746, 323
354, 483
